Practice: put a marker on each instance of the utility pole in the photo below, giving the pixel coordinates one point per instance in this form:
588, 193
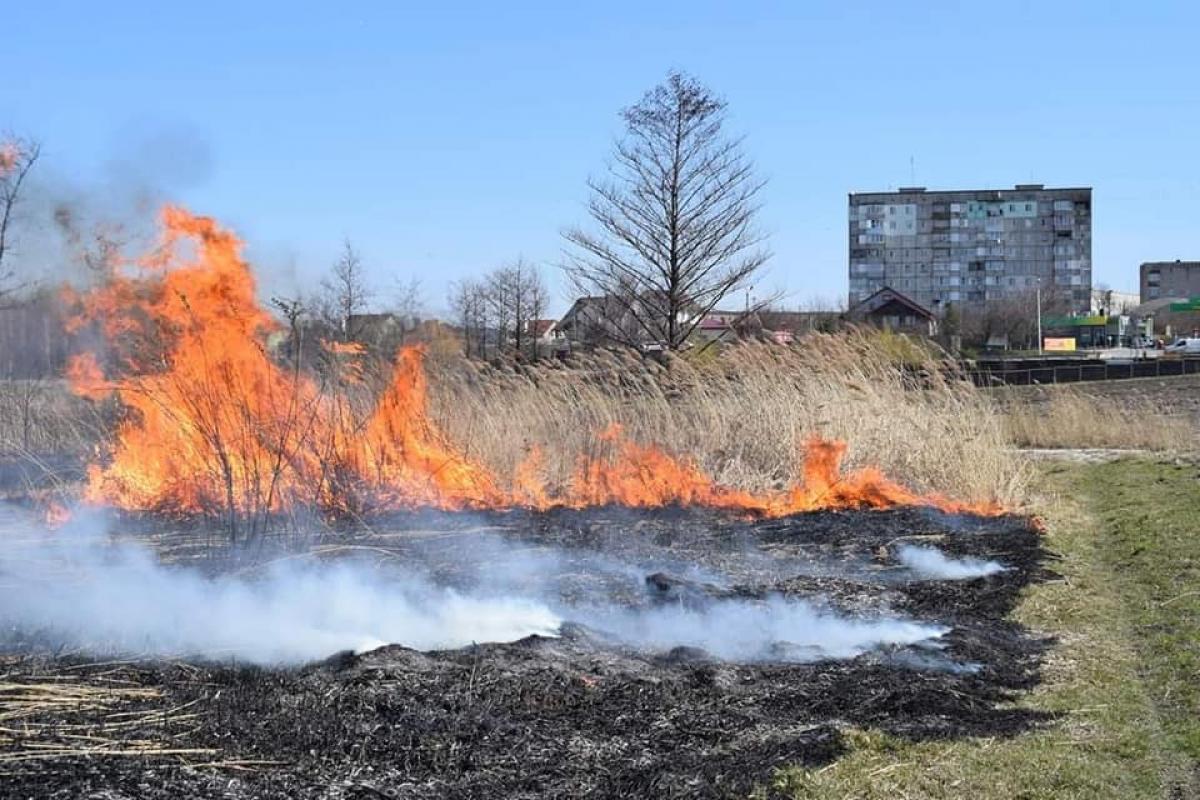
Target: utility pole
1039, 315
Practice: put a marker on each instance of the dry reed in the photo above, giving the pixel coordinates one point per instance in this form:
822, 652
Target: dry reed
57, 718
742, 414
1068, 418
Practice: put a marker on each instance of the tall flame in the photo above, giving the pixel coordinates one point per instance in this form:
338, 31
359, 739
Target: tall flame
213, 422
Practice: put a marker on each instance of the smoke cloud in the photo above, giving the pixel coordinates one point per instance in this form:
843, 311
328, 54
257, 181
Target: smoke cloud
76, 587
86, 592
929, 562
778, 628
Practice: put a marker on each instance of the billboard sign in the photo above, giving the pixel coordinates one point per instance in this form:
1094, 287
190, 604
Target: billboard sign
1059, 344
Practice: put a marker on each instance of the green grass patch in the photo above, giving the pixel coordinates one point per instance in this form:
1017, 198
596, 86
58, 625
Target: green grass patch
1150, 517
1122, 678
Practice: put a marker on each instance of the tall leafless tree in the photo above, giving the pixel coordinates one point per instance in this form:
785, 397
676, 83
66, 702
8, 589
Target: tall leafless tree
674, 218
533, 305
17, 157
468, 303
406, 297
517, 297
1011, 318
344, 292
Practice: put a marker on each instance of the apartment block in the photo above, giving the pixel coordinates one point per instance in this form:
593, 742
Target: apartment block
972, 247
1169, 279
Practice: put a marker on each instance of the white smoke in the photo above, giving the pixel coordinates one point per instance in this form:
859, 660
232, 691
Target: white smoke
76, 587
929, 562
742, 630
100, 596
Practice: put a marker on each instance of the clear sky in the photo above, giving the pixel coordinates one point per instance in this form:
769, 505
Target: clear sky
446, 139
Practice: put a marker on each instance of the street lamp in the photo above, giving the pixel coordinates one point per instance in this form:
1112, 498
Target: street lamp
1039, 315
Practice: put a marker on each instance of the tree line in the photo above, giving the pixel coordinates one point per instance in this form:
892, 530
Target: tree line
672, 236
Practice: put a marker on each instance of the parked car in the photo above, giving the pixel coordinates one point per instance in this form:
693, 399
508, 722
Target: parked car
1188, 346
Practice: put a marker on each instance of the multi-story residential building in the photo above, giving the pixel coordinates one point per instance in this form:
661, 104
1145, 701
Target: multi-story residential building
1170, 279
971, 247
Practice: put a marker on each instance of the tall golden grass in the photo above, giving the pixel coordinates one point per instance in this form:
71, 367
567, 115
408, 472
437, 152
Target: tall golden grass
743, 414
1070, 418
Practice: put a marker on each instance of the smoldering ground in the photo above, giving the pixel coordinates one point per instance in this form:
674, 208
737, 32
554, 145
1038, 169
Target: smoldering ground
77, 587
582, 713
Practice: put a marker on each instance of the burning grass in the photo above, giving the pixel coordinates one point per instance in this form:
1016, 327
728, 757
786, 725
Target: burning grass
742, 415
217, 425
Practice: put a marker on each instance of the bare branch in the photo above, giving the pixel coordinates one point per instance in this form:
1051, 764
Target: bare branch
674, 230
17, 157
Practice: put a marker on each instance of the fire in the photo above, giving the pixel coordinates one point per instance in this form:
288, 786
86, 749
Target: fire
646, 477
214, 423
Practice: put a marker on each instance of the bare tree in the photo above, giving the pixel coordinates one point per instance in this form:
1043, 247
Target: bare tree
17, 157
517, 297
500, 294
533, 305
345, 292
1011, 318
407, 297
468, 303
293, 311
675, 216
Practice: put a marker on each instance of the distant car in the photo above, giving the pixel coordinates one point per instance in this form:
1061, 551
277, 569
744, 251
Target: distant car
1189, 346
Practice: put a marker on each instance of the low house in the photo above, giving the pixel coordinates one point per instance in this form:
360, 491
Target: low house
592, 321
718, 325
379, 329
543, 331
784, 327
780, 327
893, 311
609, 319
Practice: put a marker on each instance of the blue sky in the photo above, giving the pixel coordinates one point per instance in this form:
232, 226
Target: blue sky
446, 139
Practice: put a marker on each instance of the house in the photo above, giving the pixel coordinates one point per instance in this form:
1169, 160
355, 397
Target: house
891, 310
543, 330
590, 320
379, 329
610, 319
787, 325
780, 327
718, 325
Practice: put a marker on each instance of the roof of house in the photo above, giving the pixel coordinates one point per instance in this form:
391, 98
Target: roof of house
540, 327
881, 298
716, 322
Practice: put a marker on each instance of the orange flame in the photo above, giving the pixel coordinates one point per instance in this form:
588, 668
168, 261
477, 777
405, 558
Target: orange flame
213, 423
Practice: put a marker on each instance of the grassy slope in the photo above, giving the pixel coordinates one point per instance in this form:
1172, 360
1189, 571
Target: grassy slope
1124, 675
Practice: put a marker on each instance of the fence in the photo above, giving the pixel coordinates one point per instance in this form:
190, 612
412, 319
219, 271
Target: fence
1027, 372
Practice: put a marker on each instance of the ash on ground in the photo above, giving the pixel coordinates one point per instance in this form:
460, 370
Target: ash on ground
592, 712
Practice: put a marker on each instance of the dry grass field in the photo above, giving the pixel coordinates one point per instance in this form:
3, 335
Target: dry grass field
1073, 418
744, 413
741, 413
